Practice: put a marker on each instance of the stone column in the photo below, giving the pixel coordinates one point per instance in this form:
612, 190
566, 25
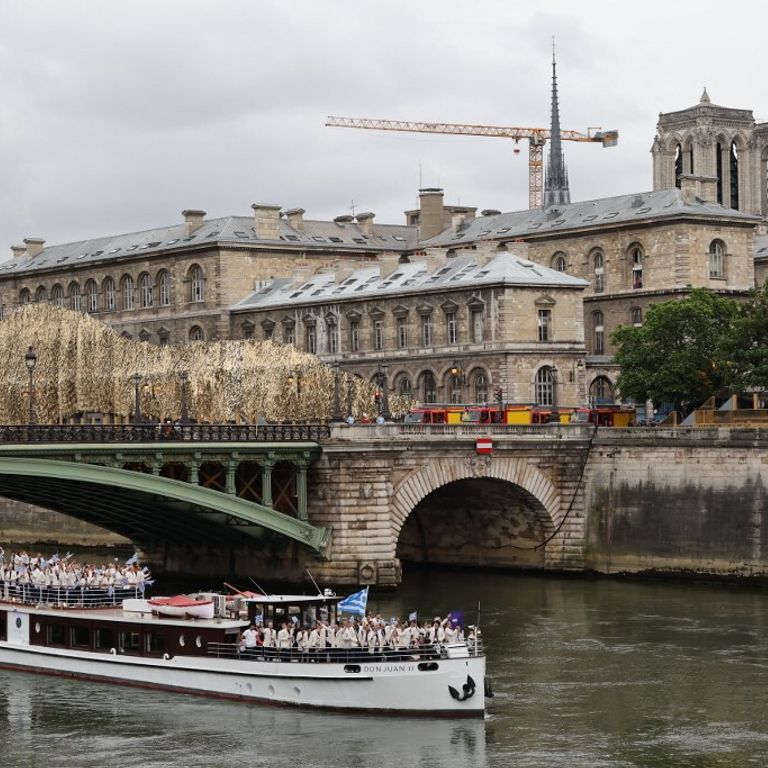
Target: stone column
301, 491
266, 482
231, 483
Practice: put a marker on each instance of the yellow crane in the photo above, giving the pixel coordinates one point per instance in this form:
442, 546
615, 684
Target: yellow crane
537, 138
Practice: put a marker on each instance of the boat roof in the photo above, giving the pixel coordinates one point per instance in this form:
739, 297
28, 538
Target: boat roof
292, 599
117, 614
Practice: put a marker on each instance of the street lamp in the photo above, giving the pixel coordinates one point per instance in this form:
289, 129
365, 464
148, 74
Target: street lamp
457, 381
30, 358
337, 416
184, 380
294, 377
381, 380
554, 416
136, 381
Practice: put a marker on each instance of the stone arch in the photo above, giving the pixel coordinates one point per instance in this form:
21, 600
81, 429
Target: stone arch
440, 472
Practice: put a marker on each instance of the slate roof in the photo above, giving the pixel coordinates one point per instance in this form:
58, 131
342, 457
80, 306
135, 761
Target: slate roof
414, 277
226, 230
589, 213
761, 247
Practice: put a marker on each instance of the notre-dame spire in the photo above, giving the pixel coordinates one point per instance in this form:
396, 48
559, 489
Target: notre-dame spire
556, 183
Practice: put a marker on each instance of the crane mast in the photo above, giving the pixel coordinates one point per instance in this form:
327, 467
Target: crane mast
537, 138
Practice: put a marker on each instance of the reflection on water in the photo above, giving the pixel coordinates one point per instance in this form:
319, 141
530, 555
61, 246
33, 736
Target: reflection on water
587, 674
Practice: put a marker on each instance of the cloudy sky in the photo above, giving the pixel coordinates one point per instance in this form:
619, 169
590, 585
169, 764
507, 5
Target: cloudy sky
115, 116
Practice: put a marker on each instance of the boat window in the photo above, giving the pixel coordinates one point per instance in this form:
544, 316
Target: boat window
104, 639
428, 666
154, 644
56, 634
80, 637
130, 642
199, 641
3, 625
182, 640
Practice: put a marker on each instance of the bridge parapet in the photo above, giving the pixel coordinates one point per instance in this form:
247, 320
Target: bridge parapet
461, 432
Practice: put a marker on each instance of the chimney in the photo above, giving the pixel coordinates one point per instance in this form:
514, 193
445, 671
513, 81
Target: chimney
365, 222
302, 273
295, 218
267, 218
34, 245
431, 217
702, 187
434, 258
193, 219
457, 221
389, 262
18, 251
487, 250
519, 248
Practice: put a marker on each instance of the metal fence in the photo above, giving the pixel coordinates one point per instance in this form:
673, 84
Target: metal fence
149, 433
69, 597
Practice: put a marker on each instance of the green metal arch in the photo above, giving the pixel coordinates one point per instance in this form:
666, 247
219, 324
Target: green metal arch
248, 512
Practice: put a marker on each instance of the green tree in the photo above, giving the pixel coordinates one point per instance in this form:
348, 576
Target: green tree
677, 356
746, 347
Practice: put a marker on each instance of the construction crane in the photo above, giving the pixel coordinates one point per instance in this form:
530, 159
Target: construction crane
537, 138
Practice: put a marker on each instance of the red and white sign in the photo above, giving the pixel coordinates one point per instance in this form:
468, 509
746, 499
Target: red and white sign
484, 445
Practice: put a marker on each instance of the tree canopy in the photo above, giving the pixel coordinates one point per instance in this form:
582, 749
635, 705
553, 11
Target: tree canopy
684, 352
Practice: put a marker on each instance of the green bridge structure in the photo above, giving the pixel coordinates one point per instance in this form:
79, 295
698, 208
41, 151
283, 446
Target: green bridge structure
211, 485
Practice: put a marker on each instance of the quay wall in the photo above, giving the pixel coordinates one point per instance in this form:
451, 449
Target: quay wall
678, 501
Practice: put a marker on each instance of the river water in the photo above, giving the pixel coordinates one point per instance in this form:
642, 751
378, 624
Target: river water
586, 673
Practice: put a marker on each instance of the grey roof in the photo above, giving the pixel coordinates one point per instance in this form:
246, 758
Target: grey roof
414, 277
231, 229
761, 247
589, 213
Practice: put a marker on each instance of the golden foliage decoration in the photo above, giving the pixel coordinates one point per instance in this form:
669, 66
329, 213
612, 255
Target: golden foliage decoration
83, 366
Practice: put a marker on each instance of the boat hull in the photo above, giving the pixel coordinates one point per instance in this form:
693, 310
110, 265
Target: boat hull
384, 687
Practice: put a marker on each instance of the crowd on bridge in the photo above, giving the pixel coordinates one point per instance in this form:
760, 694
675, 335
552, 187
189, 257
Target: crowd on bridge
373, 634
64, 580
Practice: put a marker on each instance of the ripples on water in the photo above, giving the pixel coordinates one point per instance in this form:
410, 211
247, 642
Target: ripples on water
587, 674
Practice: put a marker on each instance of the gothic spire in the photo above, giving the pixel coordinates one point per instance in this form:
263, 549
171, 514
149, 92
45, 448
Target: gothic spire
556, 182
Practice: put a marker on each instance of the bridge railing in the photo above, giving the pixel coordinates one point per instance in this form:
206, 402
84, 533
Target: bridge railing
361, 432
148, 433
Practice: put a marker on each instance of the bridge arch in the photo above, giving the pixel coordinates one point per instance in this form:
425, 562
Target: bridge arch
146, 507
482, 511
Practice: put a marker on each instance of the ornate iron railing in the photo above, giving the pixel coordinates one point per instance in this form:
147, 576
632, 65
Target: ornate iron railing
148, 433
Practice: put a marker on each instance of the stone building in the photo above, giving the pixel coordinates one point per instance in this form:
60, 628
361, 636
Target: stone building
449, 328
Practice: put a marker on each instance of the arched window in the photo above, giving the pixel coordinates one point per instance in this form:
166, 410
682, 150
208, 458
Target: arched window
545, 386
146, 291
41, 295
196, 283
601, 392
636, 316
598, 334
734, 164
75, 298
428, 387
403, 386
636, 258
196, 333
91, 296
678, 164
480, 387
559, 262
598, 281
164, 288
110, 295
717, 259
25, 297
126, 290
57, 295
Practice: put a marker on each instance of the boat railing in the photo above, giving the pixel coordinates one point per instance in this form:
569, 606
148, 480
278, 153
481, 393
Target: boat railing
421, 653
68, 597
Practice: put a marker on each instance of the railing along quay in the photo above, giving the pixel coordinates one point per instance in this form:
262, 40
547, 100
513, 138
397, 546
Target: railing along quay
149, 433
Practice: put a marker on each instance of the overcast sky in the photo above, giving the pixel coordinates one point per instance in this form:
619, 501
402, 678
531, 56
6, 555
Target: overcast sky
115, 116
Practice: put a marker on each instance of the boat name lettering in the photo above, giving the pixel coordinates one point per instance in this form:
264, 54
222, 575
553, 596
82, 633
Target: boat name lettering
388, 668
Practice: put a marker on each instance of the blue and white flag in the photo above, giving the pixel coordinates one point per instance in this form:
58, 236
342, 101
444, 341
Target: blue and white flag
355, 603
413, 616
133, 560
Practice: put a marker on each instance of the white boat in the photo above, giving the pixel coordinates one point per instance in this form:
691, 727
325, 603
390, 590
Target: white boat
181, 606
129, 644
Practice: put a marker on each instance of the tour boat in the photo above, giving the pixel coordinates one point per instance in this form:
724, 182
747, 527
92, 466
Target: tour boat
120, 639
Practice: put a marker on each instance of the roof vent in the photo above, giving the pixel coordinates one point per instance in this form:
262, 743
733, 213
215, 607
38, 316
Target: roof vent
490, 212
637, 201
341, 220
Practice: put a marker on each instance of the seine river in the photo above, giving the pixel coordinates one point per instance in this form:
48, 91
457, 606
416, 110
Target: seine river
586, 673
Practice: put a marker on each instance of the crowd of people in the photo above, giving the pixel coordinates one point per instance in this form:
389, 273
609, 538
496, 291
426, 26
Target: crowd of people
36, 578
373, 634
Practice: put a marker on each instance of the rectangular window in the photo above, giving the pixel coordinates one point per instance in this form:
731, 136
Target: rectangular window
333, 339
110, 298
311, 334
402, 332
56, 635
3, 625
289, 335
81, 637
354, 336
154, 644
268, 332
599, 283
104, 639
247, 331
426, 330
130, 642
378, 334
477, 326
545, 325
452, 326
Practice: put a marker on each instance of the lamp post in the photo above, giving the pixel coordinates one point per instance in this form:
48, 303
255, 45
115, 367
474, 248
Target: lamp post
337, 416
384, 387
184, 380
294, 377
457, 382
554, 416
136, 381
30, 358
